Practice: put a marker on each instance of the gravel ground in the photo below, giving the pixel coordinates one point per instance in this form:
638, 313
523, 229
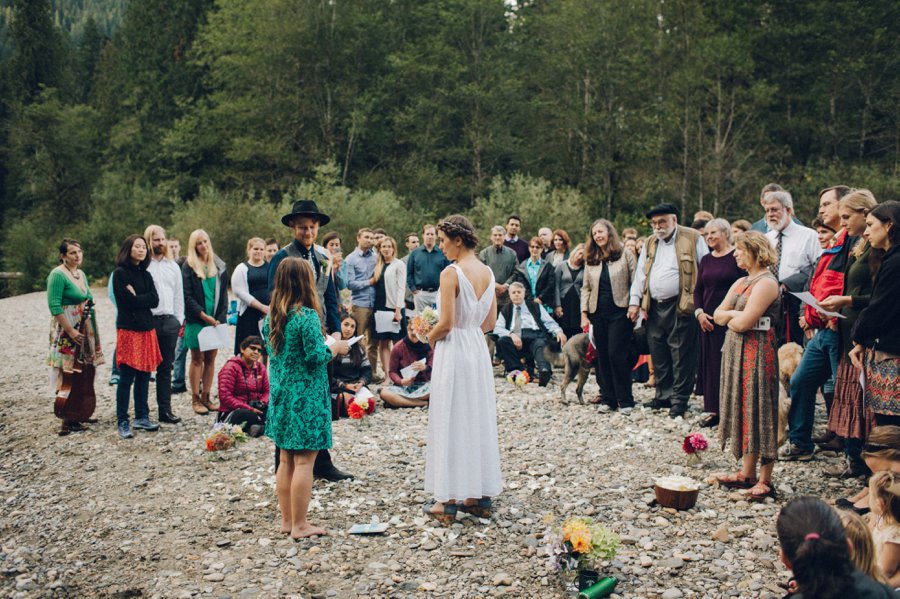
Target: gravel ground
157, 516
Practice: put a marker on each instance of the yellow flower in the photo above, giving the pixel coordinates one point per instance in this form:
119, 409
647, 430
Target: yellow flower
581, 540
570, 527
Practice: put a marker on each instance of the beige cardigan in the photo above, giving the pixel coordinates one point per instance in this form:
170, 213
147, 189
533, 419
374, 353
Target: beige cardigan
621, 274
395, 284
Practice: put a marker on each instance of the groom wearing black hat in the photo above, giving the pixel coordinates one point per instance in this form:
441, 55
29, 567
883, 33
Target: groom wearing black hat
663, 288
304, 220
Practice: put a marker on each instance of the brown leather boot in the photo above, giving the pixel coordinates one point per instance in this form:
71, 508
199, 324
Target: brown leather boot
198, 406
207, 403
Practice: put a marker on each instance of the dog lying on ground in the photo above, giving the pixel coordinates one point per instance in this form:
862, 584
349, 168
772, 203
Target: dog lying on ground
789, 356
571, 360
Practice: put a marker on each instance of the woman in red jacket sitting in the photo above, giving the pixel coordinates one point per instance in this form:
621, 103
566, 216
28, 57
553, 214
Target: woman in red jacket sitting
244, 388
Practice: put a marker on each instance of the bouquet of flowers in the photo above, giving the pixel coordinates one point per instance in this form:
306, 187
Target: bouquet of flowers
578, 544
224, 436
519, 378
423, 322
693, 445
362, 405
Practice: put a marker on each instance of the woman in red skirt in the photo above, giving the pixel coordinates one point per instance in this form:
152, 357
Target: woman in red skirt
137, 350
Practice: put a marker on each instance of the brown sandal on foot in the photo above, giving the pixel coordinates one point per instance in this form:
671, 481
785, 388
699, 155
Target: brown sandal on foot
760, 491
446, 516
735, 481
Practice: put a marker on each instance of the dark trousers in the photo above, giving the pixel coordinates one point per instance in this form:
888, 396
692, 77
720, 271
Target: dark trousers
242, 417
180, 363
128, 376
612, 340
167, 328
674, 345
789, 328
533, 343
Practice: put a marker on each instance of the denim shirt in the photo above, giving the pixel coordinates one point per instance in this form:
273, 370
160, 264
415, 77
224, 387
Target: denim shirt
360, 268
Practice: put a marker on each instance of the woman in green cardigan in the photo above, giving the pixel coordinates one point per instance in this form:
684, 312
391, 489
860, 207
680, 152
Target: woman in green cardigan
67, 295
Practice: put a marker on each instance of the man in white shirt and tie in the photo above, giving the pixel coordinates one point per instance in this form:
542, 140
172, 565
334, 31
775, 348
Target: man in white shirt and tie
663, 288
798, 251
522, 329
168, 315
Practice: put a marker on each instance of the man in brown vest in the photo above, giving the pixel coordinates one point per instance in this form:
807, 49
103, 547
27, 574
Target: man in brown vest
663, 289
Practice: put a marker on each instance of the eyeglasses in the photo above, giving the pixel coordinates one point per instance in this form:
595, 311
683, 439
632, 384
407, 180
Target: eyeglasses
536, 247
873, 447
254, 348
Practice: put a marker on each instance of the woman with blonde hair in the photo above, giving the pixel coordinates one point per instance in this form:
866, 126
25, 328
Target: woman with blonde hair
390, 290
749, 389
205, 279
250, 283
848, 414
298, 418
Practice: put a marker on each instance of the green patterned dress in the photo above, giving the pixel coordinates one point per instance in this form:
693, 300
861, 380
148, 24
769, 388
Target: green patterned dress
299, 414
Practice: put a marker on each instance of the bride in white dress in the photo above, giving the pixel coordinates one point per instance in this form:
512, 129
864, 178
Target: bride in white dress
462, 463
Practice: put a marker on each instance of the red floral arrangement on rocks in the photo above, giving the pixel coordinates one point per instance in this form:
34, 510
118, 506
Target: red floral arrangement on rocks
693, 443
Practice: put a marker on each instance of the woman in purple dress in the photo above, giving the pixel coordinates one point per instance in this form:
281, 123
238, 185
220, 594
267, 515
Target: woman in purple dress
718, 271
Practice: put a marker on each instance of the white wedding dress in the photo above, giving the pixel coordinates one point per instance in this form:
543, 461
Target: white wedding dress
463, 457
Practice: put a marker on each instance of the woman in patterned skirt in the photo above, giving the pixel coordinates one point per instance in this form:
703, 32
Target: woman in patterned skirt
137, 349
298, 419
749, 391
68, 293
876, 334
848, 418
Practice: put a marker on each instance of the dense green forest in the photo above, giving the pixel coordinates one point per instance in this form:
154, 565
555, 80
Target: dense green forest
217, 113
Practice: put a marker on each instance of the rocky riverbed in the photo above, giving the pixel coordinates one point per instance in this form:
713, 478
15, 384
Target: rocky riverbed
157, 516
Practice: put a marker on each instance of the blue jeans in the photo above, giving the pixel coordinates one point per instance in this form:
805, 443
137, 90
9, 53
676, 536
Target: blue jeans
178, 366
819, 363
141, 382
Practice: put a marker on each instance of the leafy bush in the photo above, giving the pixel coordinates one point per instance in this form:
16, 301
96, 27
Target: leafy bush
230, 219
29, 250
538, 204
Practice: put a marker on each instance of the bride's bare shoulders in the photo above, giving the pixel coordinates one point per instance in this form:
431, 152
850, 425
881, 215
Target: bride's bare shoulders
478, 274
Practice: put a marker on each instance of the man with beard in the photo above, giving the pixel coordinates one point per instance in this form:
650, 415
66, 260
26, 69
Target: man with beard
798, 251
167, 315
663, 288
304, 220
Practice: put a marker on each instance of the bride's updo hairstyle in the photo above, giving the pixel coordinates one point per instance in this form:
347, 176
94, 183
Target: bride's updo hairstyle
458, 226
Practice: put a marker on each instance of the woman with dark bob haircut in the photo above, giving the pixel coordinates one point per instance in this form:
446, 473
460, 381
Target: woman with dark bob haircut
814, 547
137, 349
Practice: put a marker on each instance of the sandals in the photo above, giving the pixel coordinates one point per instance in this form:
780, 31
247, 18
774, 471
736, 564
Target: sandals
757, 494
735, 481
446, 516
845, 504
480, 509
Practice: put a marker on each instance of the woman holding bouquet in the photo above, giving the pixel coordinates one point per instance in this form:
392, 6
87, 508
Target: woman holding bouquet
298, 419
462, 463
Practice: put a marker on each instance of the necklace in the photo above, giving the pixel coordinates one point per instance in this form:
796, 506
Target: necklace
75, 274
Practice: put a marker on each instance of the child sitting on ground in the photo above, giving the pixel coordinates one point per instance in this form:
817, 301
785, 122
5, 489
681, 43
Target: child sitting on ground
814, 547
413, 390
884, 522
862, 548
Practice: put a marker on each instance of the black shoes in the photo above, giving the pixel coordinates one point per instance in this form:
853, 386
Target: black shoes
179, 389
332, 474
169, 418
544, 377
659, 404
676, 411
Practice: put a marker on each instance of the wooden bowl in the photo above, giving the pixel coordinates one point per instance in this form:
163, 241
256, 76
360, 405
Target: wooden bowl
679, 500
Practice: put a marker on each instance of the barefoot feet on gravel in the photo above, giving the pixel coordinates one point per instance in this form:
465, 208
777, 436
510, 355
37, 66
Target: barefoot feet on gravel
307, 531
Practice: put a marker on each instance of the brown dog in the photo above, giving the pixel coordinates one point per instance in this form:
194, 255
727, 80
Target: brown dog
789, 356
571, 359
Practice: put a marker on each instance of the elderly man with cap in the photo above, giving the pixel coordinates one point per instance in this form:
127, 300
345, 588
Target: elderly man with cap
663, 288
304, 220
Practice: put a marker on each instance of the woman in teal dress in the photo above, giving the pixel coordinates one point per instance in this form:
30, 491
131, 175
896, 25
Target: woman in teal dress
205, 279
299, 416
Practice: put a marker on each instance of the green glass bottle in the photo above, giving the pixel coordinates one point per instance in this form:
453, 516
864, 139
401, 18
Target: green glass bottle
603, 588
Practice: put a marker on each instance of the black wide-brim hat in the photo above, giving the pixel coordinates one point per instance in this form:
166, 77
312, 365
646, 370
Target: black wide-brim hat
662, 209
305, 208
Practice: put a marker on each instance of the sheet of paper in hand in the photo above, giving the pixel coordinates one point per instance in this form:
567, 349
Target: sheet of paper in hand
409, 371
384, 322
213, 337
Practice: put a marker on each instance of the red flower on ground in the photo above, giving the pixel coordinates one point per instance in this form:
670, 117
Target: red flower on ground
354, 411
